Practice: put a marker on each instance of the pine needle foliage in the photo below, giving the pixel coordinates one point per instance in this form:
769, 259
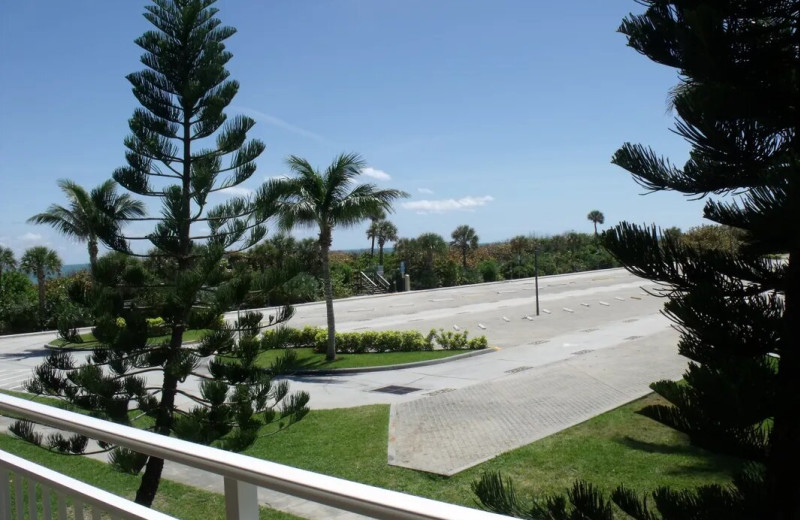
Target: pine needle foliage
735, 307
182, 149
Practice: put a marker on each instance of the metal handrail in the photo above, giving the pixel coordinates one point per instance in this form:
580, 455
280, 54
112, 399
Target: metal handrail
322, 489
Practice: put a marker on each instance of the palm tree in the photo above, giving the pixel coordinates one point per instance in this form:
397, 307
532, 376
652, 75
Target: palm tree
90, 215
385, 231
378, 215
41, 262
596, 217
431, 244
464, 239
325, 201
7, 261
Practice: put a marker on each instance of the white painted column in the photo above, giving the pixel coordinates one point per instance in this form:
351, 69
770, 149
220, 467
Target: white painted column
241, 500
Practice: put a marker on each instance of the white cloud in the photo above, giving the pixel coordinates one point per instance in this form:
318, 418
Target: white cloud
425, 191
30, 237
440, 206
278, 177
280, 123
237, 191
375, 174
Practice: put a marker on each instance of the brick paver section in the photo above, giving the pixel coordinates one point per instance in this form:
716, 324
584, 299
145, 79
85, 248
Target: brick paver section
449, 432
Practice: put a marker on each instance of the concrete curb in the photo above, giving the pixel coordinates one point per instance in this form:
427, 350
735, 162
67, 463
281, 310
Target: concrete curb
361, 370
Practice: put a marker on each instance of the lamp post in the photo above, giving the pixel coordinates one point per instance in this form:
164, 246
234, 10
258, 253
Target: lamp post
536, 275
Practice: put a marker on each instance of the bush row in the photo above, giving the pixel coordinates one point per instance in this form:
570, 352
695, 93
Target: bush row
371, 341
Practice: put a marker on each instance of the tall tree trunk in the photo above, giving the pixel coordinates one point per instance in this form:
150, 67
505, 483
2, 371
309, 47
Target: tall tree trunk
372, 248
42, 294
152, 470
380, 252
93, 256
152, 473
330, 354
595, 227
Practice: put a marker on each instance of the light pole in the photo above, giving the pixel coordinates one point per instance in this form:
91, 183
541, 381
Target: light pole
536, 275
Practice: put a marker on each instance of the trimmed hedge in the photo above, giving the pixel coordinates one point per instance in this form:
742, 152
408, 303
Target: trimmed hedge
371, 341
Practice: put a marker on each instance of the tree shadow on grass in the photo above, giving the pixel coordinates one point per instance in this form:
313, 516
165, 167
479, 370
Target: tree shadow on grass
698, 459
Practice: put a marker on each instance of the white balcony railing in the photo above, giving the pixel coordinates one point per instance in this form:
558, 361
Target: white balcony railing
242, 474
87, 502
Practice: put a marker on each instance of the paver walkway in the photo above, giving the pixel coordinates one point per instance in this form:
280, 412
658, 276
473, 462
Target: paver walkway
451, 431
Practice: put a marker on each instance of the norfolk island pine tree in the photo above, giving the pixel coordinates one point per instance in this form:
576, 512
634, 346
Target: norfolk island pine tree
182, 149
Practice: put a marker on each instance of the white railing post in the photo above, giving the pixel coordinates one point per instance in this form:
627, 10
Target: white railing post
241, 500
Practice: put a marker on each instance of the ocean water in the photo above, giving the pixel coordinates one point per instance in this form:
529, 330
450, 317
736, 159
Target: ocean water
73, 268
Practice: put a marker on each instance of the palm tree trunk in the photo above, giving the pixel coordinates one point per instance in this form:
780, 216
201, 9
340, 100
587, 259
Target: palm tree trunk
42, 294
595, 227
93, 255
380, 253
372, 248
330, 354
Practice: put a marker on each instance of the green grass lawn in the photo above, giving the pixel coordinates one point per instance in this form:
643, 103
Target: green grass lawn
617, 447
90, 342
309, 360
620, 446
174, 499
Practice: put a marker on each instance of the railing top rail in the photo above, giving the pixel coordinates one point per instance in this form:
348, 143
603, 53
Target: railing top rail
117, 506
323, 489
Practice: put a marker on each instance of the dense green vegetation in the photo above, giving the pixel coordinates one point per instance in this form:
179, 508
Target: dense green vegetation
558, 254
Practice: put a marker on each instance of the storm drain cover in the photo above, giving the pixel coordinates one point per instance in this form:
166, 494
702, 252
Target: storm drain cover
397, 390
590, 330
632, 337
581, 352
630, 320
540, 341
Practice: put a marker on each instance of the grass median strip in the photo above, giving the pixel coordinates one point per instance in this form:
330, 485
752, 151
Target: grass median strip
90, 342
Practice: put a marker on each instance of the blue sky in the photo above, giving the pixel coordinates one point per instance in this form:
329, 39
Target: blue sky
502, 115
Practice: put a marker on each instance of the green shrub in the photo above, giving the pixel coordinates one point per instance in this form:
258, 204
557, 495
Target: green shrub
67, 330
489, 270
370, 341
156, 326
